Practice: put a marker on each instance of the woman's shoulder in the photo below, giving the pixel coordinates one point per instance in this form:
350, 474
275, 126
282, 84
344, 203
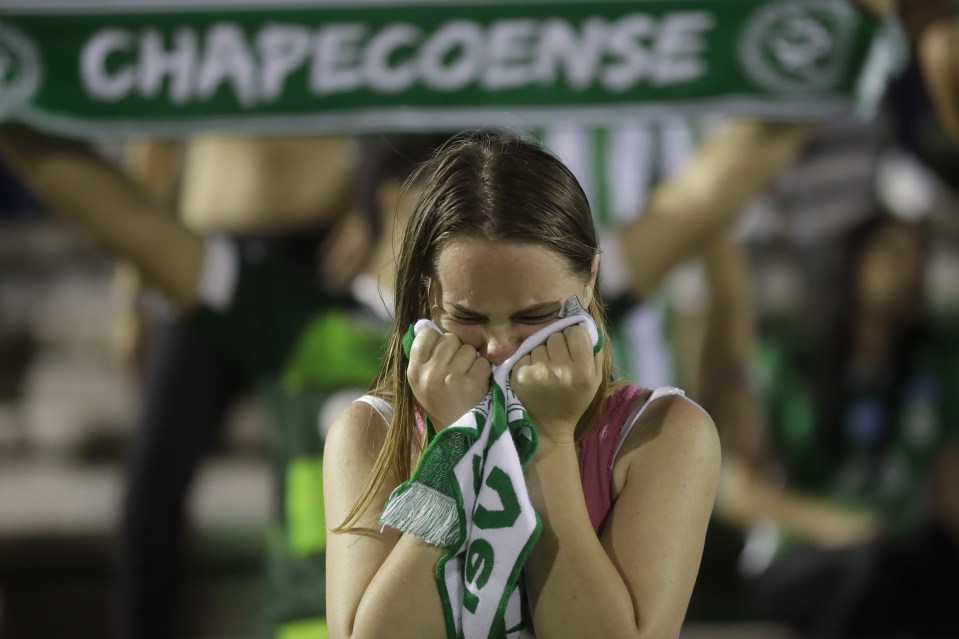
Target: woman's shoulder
362, 425
643, 407
671, 423
671, 440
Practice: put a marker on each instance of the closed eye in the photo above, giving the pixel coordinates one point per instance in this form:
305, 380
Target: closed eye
537, 319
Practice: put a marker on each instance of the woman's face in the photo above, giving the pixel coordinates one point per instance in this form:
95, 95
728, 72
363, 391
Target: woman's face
493, 295
890, 272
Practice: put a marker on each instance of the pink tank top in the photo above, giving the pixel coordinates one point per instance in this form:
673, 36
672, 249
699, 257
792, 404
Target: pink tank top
598, 452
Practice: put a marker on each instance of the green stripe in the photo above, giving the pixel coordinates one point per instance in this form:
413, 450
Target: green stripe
622, 354
305, 522
304, 629
601, 175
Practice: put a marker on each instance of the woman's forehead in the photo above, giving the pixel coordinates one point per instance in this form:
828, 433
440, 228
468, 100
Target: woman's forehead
470, 255
486, 273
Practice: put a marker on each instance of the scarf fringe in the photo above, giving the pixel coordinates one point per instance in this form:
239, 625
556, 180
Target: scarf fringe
425, 513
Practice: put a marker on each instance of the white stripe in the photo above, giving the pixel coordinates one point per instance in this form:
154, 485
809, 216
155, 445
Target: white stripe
219, 273
380, 405
677, 145
573, 144
662, 391
651, 363
631, 164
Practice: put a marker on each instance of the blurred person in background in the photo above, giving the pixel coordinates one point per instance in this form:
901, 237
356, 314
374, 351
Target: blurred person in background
277, 323
268, 197
852, 490
804, 180
690, 213
932, 28
17, 202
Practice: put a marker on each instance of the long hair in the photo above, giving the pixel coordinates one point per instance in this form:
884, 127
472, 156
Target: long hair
386, 157
494, 187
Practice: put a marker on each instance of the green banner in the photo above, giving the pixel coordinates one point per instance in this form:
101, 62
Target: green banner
117, 67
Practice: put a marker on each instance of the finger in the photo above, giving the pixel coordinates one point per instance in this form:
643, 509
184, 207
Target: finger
598, 362
463, 359
522, 363
579, 344
423, 345
480, 368
557, 349
539, 355
446, 349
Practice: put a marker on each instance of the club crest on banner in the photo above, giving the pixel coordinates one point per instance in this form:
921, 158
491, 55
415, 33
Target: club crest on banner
19, 68
798, 47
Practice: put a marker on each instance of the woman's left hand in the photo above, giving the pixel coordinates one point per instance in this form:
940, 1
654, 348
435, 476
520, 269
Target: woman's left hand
557, 382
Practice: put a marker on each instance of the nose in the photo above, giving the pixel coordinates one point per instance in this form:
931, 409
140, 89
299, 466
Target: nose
500, 345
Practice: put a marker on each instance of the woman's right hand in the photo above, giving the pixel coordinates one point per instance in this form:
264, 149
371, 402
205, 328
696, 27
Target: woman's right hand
447, 377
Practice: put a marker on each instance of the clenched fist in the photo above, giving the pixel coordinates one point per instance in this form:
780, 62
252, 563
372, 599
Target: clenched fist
557, 382
447, 377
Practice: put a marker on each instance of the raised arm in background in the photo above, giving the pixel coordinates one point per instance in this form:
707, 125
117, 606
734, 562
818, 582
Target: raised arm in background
74, 181
155, 165
729, 338
690, 210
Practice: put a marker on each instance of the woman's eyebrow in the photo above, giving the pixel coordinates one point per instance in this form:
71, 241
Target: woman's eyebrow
542, 309
462, 309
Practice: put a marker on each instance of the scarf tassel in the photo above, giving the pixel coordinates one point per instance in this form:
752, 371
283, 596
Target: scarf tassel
424, 512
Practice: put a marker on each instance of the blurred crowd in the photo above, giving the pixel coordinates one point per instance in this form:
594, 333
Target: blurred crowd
798, 281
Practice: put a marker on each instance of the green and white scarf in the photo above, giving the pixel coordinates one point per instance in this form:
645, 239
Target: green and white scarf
468, 494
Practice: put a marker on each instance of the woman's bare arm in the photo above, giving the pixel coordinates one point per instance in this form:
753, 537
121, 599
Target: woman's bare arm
379, 583
636, 579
